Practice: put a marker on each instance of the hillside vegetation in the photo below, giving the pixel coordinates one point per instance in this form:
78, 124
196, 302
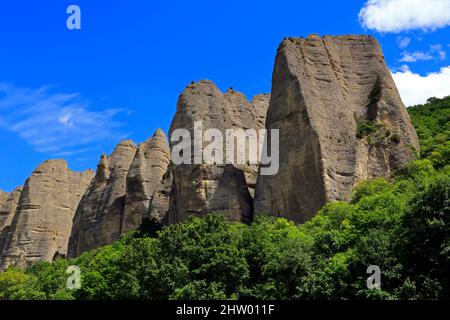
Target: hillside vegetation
401, 225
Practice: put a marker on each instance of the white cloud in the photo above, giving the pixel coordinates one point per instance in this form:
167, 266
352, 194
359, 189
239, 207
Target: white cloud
59, 124
403, 42
435, 52
437, 48
402, 15
415, 56
416, 89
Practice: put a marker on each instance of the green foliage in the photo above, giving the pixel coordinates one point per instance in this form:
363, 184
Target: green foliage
365, 128
401, 225
432, 123
17, 285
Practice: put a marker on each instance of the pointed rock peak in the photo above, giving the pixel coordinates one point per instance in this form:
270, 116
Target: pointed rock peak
159, 133
103, 158
102, 173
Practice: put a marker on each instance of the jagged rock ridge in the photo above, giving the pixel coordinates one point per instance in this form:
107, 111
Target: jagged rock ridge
129, 187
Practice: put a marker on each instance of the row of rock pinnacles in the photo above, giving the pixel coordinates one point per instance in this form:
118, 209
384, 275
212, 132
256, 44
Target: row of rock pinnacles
323, 89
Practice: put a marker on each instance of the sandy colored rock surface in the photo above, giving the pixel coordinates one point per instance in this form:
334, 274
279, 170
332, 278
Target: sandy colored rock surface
42, 221
323, 91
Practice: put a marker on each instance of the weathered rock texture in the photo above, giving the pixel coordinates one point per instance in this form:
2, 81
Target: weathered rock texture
159, 205
3, 198
7, 211
145, 176
199, 189
42, 221
98, 219
325, 91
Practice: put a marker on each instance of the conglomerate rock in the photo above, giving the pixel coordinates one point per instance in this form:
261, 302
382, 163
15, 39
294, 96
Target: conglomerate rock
340, 120
98, 219
199, 189
40, 227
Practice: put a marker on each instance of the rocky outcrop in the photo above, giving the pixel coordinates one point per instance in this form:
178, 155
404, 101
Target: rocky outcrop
42, 221
159, 205
341, 120
7, 211
203, 188
98, 219
145, 176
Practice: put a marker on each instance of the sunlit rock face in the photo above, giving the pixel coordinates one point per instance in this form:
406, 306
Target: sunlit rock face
199, 189
39, 218
341, 120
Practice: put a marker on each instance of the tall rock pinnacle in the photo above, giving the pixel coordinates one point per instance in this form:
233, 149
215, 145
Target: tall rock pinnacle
42, 221
144, 177
203, 188
341, 120
98, 219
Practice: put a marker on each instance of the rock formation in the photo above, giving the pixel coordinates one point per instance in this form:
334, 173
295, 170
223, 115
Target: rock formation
203, 188
7, 211
3, 198
159, 205
144, 177
98, 219
42, 221
341, 120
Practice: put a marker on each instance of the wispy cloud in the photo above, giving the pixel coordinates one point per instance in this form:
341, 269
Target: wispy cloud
435, 52
403, 15
403, 42
415, 56
59, 124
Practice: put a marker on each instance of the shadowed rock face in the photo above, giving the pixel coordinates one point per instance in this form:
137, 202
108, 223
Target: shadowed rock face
159, 205
326, 92
144, 177
7, 211
98, 219
199, 189
42, 221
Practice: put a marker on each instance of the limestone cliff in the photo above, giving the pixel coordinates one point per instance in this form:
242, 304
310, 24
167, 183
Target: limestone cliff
341, 120
40, 227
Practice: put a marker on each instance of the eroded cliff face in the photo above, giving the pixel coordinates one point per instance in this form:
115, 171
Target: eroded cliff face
98, 218
40, 227
7, 211
145, 176
199, 189
341, 120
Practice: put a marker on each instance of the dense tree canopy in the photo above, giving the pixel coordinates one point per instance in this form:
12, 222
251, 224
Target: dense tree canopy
401, 225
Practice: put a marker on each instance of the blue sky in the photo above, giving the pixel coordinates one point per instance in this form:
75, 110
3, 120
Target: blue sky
74, 94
